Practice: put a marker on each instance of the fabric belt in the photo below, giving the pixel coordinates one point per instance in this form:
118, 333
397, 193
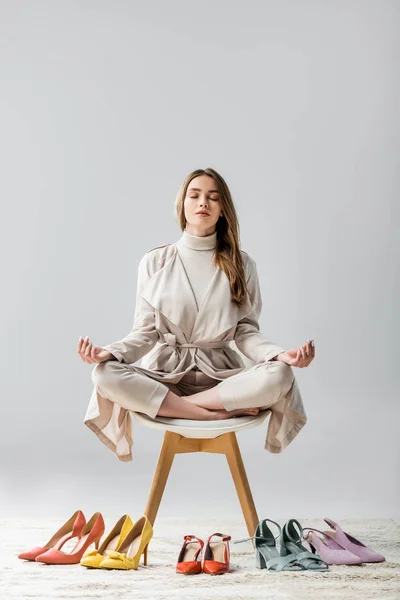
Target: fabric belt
170, 340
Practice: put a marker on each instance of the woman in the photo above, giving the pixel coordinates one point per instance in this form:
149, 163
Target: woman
196, 297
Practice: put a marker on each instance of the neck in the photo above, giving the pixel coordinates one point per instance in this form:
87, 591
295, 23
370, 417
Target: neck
198, 242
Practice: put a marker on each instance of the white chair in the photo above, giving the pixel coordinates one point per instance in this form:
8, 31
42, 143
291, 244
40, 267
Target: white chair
184, 435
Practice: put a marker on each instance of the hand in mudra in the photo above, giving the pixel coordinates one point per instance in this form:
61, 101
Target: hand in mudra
92, 354
299, 357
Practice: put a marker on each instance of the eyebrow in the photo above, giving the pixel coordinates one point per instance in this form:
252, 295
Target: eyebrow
199, 190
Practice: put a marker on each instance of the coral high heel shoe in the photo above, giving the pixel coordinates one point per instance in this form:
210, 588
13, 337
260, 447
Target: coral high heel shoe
216, 557
92, 532
93, 558
189, 559
367, 555
133, 546
72, 528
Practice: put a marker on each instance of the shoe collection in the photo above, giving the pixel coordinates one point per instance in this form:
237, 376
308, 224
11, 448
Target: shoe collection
330, 548
124, 545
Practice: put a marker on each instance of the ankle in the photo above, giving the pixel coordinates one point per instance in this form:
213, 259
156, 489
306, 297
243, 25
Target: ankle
214, 415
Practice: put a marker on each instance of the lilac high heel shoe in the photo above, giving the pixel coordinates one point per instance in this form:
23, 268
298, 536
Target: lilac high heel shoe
328, 549
352, 544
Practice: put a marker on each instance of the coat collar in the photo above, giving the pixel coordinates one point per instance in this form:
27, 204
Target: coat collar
170, 292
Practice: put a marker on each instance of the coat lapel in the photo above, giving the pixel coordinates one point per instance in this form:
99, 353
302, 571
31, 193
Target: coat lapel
170, 292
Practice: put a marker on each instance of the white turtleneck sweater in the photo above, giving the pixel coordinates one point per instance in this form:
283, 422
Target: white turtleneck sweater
196, 253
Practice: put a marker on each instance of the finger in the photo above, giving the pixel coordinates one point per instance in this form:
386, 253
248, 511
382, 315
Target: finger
308, 348
312, 349
84, 345
312, 353
297, 359
303, 358
85, 353
93, 354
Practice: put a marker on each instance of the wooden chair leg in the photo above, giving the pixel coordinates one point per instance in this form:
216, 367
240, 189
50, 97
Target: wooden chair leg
174, 443
239, 476
165, 460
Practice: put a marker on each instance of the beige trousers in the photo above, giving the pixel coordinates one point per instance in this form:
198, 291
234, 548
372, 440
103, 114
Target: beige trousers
259, 386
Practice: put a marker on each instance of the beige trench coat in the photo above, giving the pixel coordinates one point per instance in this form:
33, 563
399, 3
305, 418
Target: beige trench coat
171, 335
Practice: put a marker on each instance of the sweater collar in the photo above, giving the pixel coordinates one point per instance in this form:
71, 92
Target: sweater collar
198, 242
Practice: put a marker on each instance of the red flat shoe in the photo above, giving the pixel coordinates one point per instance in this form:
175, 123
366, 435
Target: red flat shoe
189, 559
216, 556
72, 528
92, 532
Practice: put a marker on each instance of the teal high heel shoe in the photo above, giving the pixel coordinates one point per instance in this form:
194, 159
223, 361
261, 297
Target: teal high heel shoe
290, 541
267, 555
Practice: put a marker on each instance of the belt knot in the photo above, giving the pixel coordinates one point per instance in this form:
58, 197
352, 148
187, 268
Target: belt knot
170, 340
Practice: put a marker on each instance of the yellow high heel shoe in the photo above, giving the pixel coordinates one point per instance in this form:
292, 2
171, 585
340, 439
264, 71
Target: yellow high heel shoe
114, 539
133, 546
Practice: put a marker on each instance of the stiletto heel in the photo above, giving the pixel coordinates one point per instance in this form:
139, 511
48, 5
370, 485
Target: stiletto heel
145, 551
72, 528
97, 544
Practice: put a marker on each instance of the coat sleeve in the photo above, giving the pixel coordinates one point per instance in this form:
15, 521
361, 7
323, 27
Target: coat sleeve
144, 335
248, 337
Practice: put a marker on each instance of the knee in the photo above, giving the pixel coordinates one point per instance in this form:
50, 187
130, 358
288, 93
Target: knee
101, 373
282, 374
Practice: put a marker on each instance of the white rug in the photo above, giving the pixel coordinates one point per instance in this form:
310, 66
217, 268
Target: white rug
25, 580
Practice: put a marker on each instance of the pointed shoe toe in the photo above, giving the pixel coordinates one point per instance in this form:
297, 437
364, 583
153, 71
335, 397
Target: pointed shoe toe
92, 559
192, 567
213, 567
55, 557
32, 554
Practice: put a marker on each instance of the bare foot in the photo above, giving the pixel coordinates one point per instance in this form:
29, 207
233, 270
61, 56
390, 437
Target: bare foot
228, 414
240, 412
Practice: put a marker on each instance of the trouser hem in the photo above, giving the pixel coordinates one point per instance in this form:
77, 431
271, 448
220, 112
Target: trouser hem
156, 399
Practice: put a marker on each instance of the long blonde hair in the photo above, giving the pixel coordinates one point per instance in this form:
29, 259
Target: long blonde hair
227, 255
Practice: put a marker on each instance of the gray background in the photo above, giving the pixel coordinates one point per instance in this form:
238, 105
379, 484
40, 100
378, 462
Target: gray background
105, 107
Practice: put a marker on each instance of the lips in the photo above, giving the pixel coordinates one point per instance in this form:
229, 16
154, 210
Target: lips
203, 213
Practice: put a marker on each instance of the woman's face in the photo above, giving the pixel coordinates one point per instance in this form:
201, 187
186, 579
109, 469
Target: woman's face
202, 195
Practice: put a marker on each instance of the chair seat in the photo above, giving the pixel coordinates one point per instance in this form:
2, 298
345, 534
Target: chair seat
201, 429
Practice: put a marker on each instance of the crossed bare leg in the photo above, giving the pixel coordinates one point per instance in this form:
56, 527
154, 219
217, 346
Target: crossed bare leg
203, 406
